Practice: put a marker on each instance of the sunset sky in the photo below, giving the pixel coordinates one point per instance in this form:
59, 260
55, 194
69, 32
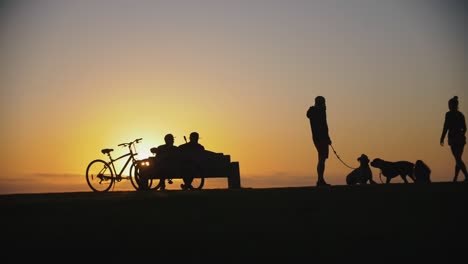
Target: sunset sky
79, 76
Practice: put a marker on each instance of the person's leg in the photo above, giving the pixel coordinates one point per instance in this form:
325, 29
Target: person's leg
320, 169
184, 185
185, 175
189, 182
162, 187
322, 149
457, 171
457, 151
189, 169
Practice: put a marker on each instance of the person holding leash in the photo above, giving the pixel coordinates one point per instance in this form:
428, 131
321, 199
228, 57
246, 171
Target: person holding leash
318, 123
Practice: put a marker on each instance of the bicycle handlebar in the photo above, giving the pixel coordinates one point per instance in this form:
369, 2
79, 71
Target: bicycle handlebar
130, 143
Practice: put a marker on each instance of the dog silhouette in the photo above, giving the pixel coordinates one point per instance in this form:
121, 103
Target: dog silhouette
422, 172
392, 169
362, 174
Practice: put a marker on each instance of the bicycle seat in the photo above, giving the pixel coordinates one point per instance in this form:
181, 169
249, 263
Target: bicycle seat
106, 151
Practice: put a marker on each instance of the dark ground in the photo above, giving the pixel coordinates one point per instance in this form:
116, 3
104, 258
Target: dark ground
380, 223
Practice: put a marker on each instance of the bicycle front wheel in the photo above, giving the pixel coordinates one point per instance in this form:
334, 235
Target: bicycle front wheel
139, 182
133, 176
99, 176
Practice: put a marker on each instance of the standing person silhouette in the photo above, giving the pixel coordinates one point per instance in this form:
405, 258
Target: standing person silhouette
455, 125
318, 123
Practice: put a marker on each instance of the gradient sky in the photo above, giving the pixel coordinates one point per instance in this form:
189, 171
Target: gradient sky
79, 76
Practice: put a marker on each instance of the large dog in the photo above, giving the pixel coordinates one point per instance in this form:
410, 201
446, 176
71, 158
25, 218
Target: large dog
391, 169
362, 174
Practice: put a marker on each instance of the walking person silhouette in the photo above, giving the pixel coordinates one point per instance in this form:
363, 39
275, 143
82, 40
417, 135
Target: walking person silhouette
455, 125
318, 123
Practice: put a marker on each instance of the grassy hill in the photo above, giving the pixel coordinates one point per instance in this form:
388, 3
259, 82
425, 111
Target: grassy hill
391, 221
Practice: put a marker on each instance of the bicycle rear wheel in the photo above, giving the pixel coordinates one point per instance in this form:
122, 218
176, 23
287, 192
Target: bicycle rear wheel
99, 176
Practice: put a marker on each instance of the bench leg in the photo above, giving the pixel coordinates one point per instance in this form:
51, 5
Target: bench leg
234, 176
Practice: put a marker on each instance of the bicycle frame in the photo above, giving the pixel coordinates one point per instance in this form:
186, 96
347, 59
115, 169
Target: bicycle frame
130, 158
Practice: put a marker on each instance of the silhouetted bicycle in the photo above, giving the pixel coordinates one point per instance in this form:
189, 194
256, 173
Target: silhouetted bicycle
102, 175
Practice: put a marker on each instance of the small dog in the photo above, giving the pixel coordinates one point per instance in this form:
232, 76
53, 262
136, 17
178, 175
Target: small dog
362, 174
422, 172
391, 169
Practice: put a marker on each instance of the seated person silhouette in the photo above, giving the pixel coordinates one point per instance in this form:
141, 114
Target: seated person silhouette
192, 149
163, 152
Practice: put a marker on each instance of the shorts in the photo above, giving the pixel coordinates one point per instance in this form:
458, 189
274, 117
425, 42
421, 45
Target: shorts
458, 139
322, 149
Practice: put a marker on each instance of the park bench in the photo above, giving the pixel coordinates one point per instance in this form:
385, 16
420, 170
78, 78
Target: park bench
200, 165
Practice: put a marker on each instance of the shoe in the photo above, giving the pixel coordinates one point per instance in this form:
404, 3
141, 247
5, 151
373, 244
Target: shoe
322, 183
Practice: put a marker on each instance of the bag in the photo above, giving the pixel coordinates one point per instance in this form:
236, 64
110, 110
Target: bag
422, 172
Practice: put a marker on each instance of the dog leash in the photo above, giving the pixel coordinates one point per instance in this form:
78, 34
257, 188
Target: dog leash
341, 159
